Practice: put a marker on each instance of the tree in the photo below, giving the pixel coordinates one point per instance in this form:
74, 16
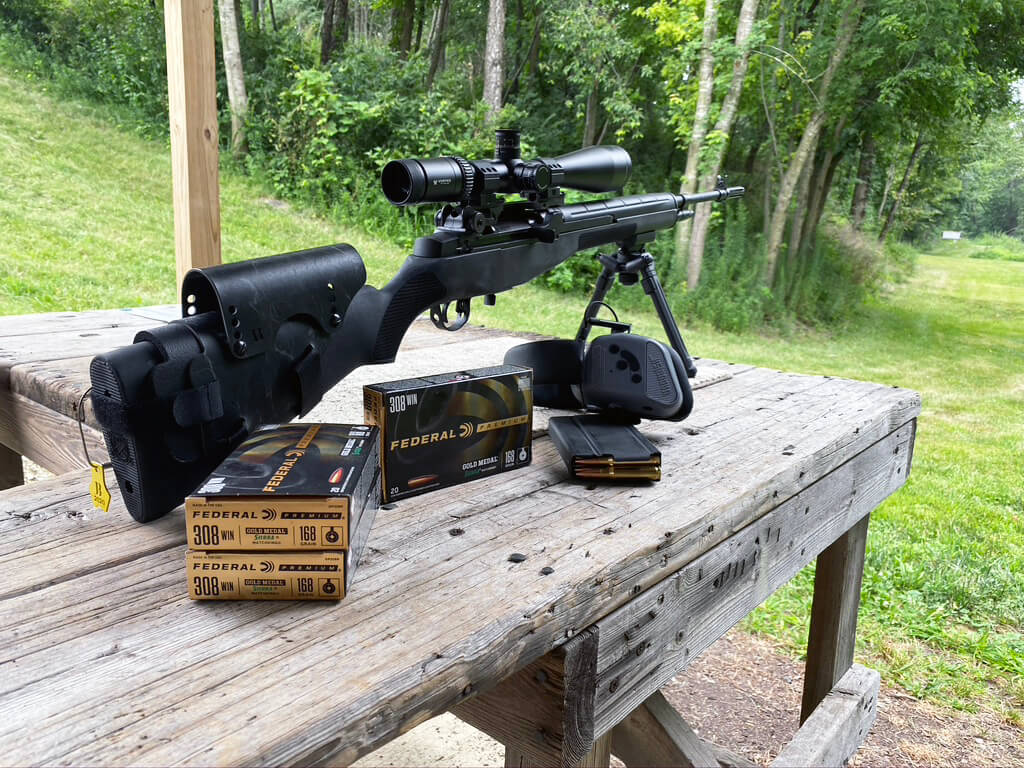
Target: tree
809, 140
333, 29
438, 41
720, 136
705, 89
494, 58
232, 51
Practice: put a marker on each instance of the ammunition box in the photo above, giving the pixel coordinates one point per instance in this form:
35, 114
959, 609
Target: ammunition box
442, 430
266, 575
290, 487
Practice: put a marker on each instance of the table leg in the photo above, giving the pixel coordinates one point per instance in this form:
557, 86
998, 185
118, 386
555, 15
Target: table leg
830, 641
599, 756
11, 472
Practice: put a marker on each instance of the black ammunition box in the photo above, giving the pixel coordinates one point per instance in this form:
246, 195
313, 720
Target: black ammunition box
290, 487
442, 430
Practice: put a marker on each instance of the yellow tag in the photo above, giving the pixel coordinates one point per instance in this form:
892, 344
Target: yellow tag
98, 487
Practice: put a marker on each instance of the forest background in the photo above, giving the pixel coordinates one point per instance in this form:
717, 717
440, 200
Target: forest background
854, 125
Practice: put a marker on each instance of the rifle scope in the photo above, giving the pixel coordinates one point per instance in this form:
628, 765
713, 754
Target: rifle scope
457, 180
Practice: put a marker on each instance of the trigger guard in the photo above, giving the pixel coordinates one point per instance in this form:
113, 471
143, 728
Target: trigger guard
439, 315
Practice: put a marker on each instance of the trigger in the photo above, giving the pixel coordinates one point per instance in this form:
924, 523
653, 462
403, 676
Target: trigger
439, 315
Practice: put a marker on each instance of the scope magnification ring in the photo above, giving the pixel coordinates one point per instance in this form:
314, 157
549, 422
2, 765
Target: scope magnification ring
468, 178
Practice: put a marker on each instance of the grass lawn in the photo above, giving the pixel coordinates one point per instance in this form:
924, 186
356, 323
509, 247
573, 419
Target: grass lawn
85, 222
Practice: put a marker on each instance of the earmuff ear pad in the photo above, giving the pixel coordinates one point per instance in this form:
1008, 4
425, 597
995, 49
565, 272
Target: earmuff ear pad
684, 383
557, 368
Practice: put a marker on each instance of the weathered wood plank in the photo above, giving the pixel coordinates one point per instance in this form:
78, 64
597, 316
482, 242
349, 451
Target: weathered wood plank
49, 533
45, 436
191, 670
649, 640
544, 712
839, 724
49, 323
18, 350
833, 626
11, 470
654, 734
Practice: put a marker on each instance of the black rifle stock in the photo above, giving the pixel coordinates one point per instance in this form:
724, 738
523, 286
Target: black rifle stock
261, 341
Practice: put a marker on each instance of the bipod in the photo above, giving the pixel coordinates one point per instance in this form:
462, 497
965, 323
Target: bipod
632, 265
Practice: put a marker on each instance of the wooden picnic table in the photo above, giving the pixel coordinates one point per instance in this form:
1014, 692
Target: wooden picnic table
106, 661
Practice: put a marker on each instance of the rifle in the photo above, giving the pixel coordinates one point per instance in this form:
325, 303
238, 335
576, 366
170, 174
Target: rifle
261, 341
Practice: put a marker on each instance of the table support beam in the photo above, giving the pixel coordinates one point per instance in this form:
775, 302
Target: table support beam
599, 756
544, 713
654, 734
833, 628
838, 725
11, 471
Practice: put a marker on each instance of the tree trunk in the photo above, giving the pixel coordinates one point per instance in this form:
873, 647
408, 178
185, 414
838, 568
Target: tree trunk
799, 213
438, 41
237, 98
859, 206
340, 25
273, 16
327, 33
406, 19
513, 86
726, 118
255, 15
809, 141
590, 122
898, 197
421, 12
494, 57
818, 206
816, 199
705, 88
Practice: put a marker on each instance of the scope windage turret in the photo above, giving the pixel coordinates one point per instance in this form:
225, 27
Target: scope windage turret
455, 179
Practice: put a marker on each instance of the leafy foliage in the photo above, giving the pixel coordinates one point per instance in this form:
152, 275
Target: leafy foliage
619, 71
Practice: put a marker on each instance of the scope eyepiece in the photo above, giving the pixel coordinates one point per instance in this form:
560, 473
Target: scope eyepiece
455, 180
440, 179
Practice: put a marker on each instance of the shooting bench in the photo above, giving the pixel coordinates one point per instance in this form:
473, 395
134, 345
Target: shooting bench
106, 661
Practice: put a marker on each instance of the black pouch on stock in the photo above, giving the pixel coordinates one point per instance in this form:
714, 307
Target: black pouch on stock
594, 448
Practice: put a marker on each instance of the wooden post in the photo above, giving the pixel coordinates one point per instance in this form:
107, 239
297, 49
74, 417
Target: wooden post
837, 579
544, 713
192, 102
11, 473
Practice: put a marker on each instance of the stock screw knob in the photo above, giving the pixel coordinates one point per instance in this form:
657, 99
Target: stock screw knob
240, 347
335, 319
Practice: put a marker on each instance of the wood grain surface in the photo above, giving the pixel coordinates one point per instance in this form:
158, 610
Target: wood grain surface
107, 662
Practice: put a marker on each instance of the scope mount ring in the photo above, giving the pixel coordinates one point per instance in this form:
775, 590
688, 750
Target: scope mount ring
439, 315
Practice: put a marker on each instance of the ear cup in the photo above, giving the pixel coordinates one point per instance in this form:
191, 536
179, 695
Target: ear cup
557, 369
636, 375
684, 382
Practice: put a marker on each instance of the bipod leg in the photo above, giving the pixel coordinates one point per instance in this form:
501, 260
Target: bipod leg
652, 287
601, 288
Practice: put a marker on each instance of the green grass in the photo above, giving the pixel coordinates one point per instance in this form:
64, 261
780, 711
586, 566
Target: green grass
85, 222
1001, 247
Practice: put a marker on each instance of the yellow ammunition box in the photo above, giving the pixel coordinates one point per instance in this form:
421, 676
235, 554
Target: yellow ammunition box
253, 523
266, 575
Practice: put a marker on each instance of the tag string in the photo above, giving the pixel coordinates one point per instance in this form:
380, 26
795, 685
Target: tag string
81, 421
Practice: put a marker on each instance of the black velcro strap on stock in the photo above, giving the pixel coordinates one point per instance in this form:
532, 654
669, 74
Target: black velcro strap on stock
186, 376
201, 402
112, 414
